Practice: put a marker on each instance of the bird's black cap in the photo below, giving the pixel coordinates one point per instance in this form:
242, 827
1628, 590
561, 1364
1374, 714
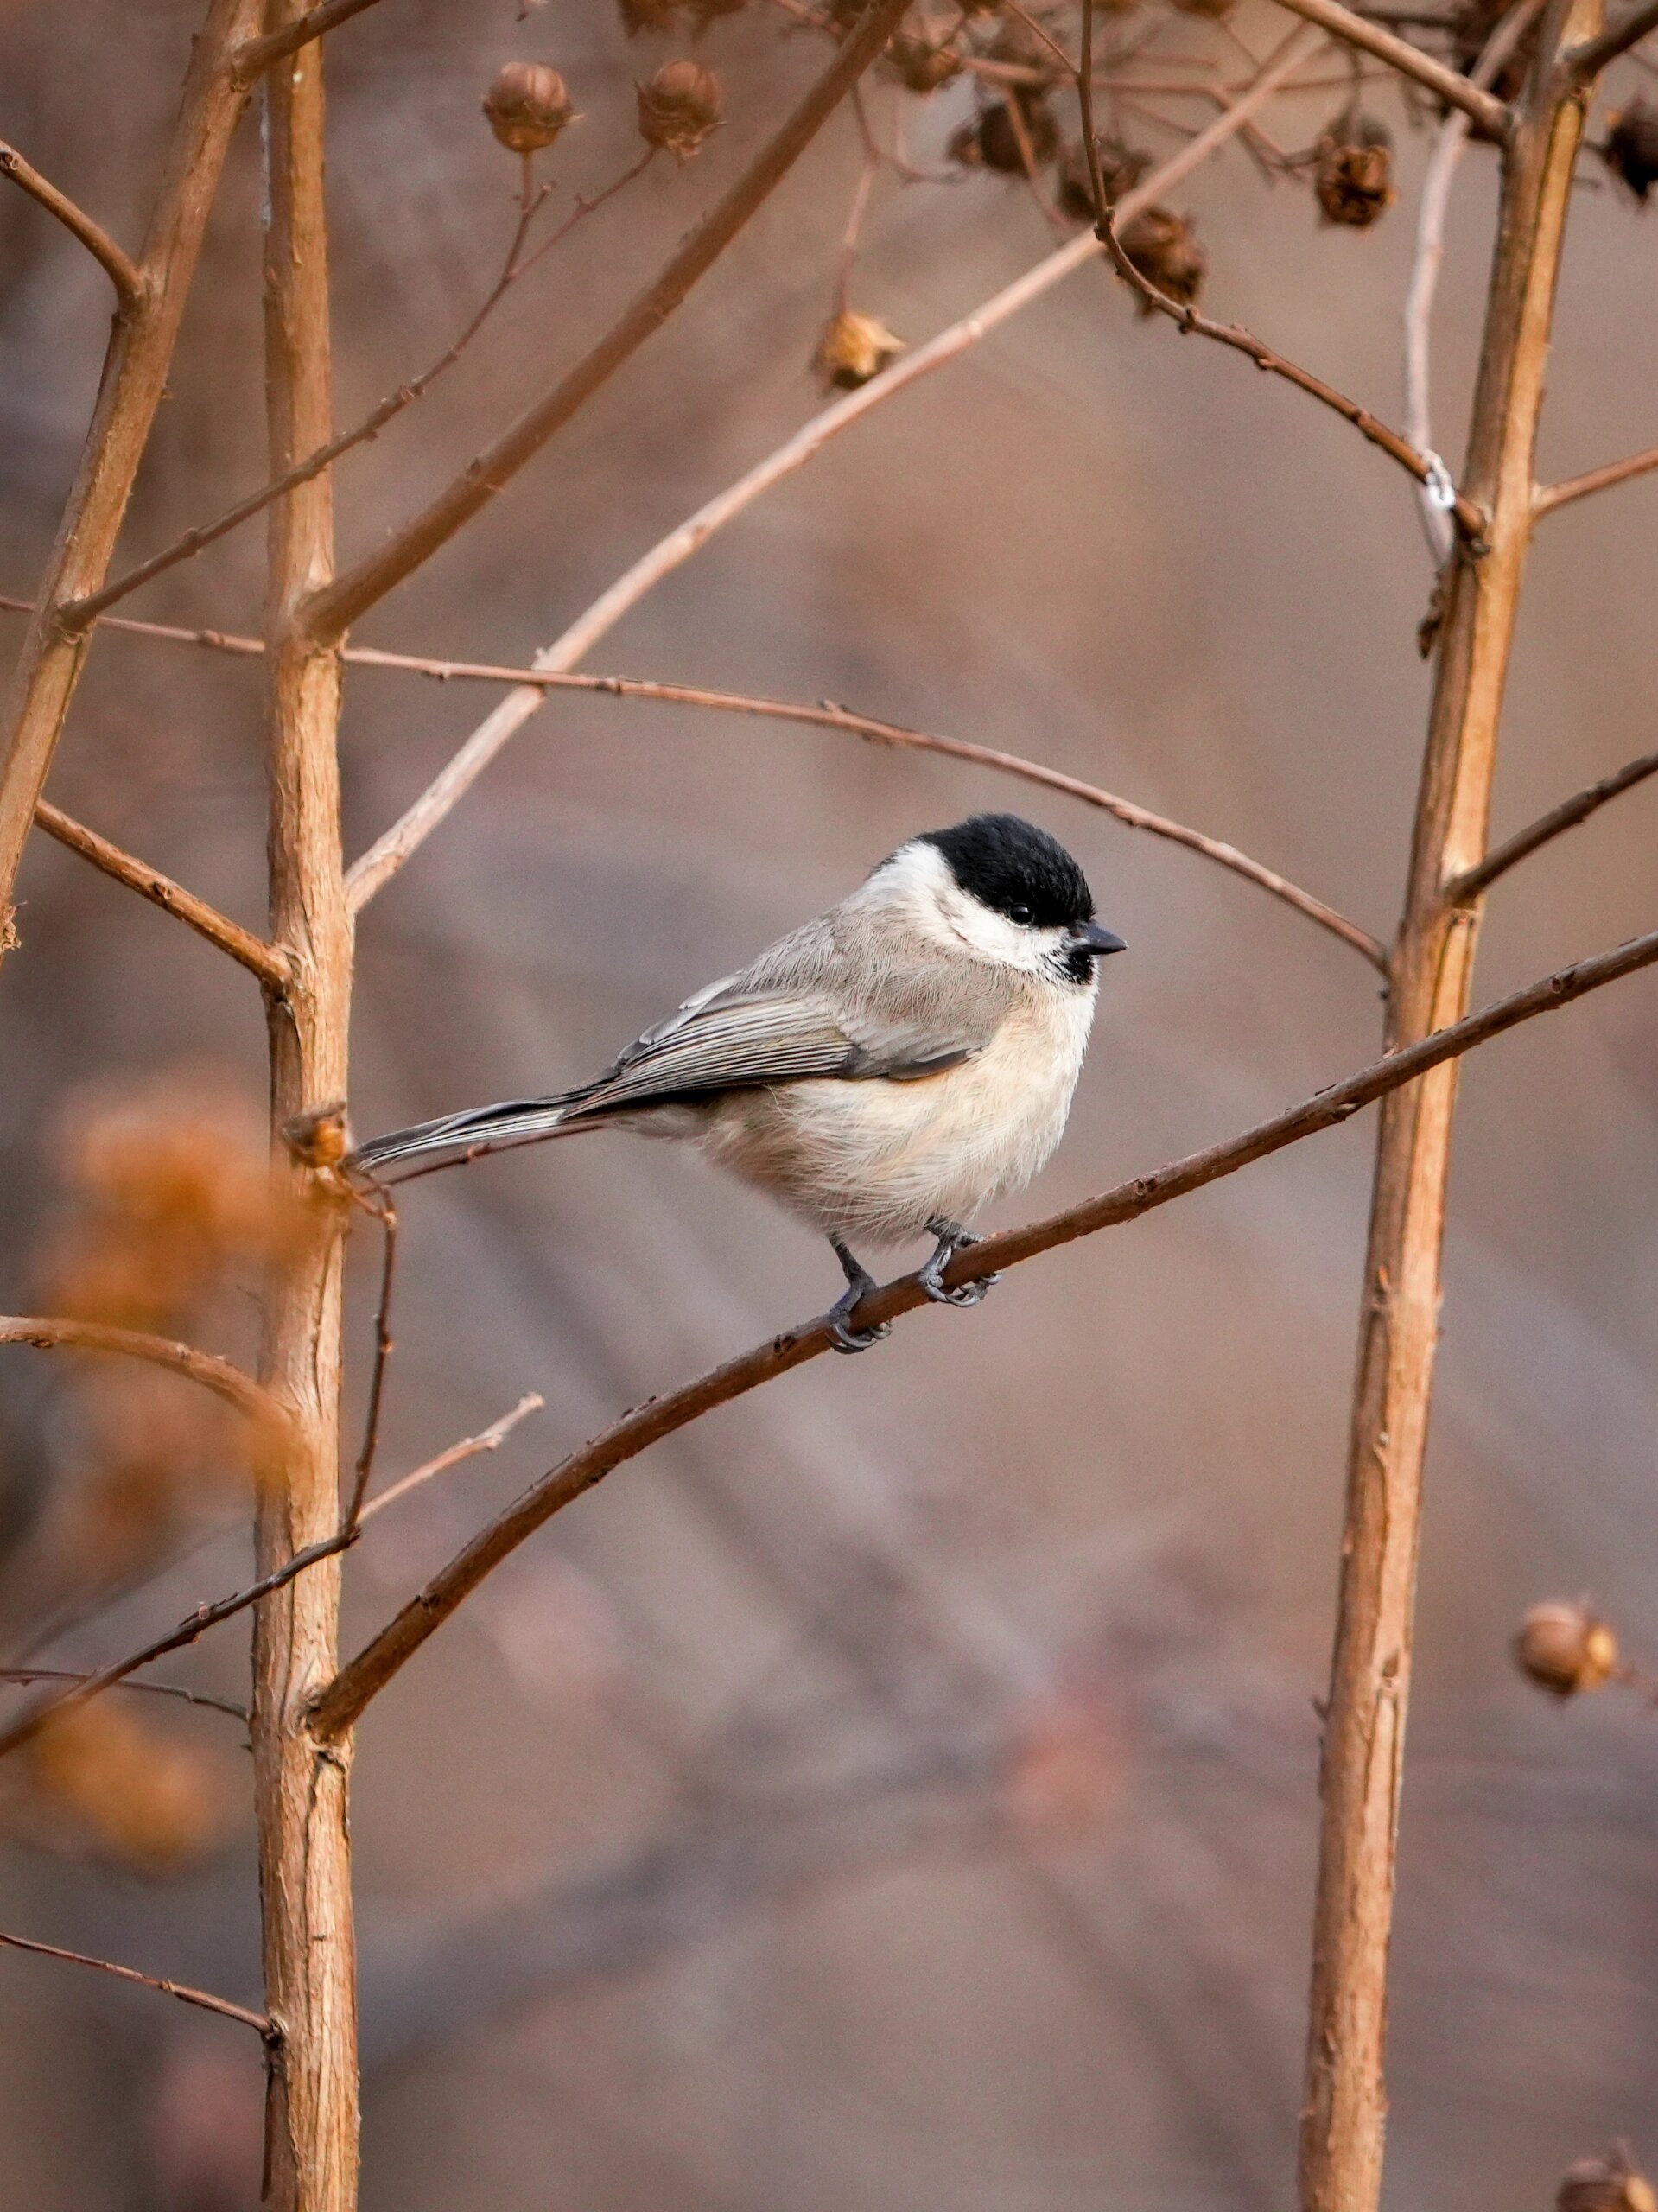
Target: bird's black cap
1005, 862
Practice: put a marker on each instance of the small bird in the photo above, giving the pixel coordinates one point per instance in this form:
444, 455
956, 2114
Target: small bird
885, 1070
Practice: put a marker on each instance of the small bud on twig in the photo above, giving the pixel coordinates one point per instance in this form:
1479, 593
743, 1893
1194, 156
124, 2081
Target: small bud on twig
527, 106
1605, 2186
1630, 151
679, 107
1164, 248
1353, 177
1120, 169
1565, 1648
855, 347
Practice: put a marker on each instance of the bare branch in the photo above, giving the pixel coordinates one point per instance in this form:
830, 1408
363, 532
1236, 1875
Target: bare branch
221, 641
488, 1440
121, 272
1567, 815
227, 1705
343, 1702
49, 1331
377, 1202
1450, 84
330, 612
1587, 61
1551, 496
194, 1625
266, 961
250, 60
222, 2006
828, 716
501, 726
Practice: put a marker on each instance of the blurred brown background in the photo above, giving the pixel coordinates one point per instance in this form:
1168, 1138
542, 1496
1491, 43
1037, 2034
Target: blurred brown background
898, 1791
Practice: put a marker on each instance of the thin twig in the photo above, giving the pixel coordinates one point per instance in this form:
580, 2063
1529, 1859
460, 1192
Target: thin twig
377, 1202
121, 272
194, 1625
382, 861
1399, 53
343, 1702
1587, 61
26, 1675
1551, 496
266, 961
192, 542
331, 610
49, 1332
250, 60
488, 1440
1567, 815
222, 2006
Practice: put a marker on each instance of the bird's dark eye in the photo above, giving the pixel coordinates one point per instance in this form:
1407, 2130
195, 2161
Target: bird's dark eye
1019, 915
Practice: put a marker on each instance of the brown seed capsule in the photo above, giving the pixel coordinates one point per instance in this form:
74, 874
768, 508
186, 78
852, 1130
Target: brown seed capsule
920, 62
649, 15
1353, 176
1120, 169
1564, 1649
527, 106
855, 347
679, 107
992, 142
1630, 151
1605, 2185
1163, 246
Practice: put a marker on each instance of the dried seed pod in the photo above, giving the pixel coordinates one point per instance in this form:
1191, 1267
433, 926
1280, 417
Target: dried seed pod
992, 142
922, 61
1565, 1648
527, 106
1121, 168
855, 347
649, 15
1605, 2186
1353, 175
679, 107
1163, 247
1630, 151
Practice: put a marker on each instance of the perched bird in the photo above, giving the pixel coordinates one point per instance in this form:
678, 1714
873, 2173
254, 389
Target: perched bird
883, 1071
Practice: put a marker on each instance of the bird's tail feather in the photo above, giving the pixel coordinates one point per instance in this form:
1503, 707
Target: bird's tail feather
514, 1121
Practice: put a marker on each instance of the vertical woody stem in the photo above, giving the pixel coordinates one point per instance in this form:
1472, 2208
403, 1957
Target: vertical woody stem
300, 1786
1344, 2106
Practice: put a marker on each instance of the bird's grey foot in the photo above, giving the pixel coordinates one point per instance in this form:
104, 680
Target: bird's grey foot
860, 1283
952, 1239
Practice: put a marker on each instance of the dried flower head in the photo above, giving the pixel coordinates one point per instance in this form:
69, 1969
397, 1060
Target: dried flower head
855, 347
678, 108
992, 142
1353, 174
1605, 2186
1630, 151
100, 1776
1163, 247
922, 61
1122, 167
527, 106
1565, 1648
649, 15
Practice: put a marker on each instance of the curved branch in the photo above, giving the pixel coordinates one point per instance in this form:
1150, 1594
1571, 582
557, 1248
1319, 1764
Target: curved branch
1567, 815
342, 1703
222, 2006
1399, 53
1589, 59
51, 1331
1551, 496
121, 272
266, 961
252, 59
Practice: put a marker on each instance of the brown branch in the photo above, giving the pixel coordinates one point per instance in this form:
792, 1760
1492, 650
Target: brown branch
121, 272
329, 612
1567, 815
222, 2006
828, 715
194, 1625
27, 1674
1587, 61
341, 1704
52, 1332
1399, 53
488, 1440
135, 376
270, 964
377, 1202
192, 542
251, 60
1551, 496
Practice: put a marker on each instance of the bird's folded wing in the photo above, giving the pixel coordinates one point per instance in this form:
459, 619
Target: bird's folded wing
718, 1042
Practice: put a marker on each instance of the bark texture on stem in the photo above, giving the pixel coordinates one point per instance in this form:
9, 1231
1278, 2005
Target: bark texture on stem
1344, 2105
135, 375
301, 1788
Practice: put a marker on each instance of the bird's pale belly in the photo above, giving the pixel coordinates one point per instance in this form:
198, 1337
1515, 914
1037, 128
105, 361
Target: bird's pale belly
880, 1160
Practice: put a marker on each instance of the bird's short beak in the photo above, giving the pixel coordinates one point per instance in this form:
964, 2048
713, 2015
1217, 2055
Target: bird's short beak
1094, 940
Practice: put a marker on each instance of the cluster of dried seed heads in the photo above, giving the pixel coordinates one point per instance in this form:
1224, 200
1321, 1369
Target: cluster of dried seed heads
1564, 1650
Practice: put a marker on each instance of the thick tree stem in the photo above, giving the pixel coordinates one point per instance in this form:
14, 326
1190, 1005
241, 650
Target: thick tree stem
1345, 2107
300, 1785
135, 376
